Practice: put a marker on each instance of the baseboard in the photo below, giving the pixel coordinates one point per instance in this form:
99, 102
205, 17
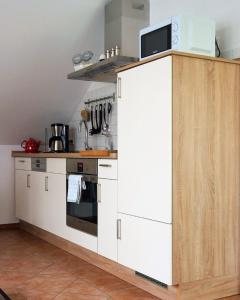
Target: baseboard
208, 289
103, 263
9, 226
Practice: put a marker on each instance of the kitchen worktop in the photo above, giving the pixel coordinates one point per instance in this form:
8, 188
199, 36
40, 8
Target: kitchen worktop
60, 155
175, 53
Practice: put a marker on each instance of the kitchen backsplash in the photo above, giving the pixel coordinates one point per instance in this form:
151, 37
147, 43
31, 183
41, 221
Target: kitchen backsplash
97, 141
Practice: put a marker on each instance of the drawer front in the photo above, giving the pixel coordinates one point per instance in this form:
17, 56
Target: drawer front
146, 247
23, 163
107, 168
56, 165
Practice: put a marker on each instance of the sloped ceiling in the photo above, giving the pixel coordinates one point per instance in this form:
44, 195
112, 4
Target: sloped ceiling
37, 41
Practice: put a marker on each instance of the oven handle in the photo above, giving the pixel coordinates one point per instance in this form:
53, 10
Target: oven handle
105, 165
85, 177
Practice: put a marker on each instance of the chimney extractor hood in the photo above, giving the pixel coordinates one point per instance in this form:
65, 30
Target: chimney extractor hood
123, 21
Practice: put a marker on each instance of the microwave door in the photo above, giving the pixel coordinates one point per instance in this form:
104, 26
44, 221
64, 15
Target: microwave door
156, 41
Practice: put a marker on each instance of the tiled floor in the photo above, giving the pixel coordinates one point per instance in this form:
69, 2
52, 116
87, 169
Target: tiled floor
33, 269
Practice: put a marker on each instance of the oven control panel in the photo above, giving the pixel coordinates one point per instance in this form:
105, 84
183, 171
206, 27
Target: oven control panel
87, 166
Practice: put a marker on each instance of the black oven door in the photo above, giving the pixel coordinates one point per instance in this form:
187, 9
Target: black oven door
83, 215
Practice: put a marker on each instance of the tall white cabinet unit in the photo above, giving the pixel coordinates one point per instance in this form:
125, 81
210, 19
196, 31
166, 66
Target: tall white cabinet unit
145, 183
145, 126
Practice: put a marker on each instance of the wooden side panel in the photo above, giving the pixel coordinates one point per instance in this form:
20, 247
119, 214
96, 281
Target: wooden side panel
208, 289
206, 168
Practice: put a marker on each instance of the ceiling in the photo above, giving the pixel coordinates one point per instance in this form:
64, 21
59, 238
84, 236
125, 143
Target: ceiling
38, 40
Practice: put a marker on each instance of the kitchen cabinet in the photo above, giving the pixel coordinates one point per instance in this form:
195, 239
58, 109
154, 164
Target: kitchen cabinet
178, 172
41, 200
107, 209
107, 218
146, 247
37, 195
145, 141
55, 203
22, 195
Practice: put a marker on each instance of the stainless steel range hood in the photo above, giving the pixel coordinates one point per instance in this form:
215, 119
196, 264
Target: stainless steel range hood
123, 20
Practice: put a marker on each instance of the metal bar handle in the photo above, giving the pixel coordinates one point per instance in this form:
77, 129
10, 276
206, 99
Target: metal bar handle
99, 198
21, 161
46, 183
28, 181
119, 87
119, 231
105, 165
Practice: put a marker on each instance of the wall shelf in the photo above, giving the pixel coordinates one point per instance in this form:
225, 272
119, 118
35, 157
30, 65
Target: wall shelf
103, 71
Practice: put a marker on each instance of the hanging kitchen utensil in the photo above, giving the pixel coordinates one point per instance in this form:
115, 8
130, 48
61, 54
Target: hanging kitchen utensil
106, 116
93, 129
100, 118
85, 115
96, 117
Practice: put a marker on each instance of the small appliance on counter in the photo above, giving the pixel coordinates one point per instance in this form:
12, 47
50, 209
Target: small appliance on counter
180, 33
30, 145
59, 142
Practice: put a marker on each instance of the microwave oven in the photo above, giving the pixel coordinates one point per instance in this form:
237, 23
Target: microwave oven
179, 33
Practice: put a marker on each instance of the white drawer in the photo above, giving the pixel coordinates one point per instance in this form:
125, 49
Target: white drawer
23, 163
56, 165
107, 168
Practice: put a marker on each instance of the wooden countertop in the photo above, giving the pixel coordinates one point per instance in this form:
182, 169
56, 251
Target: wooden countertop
59, 155
177, 53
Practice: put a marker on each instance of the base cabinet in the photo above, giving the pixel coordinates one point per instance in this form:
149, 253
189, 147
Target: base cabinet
107, 216
22, 195
55, 204
146, 247
38, 195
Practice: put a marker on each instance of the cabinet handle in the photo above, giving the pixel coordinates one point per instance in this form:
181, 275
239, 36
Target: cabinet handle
119, 87
28, 181
21, 161
119, 232
105, 165
99, 200
46, 183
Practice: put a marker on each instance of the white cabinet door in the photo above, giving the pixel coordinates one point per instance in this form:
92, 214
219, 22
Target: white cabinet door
55, 204
146, 247
145, 141
39, 199
22, 195
107, 218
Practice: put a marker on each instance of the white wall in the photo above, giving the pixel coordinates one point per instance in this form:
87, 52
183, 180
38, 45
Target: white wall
38, 40
225, 13
7, 202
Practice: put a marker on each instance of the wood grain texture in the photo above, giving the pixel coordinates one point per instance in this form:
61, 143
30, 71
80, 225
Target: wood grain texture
175, 53
206, 166
112, 155
209, 289
101, 262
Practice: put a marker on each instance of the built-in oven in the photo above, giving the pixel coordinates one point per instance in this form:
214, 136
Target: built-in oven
82, 214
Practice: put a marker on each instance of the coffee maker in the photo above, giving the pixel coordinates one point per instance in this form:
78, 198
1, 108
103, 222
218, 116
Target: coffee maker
59, 142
